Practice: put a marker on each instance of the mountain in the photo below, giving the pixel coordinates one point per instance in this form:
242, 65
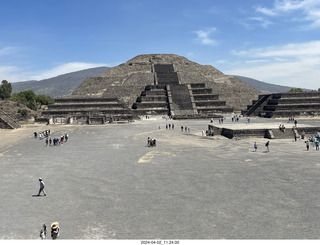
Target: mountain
265, 87
58, 86
65, 84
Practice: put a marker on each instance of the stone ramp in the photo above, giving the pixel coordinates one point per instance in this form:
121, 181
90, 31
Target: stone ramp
285, 105
7, 122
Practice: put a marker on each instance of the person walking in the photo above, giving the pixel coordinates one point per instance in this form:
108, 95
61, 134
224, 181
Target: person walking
255, 145
307, 145
41, 187
267, 145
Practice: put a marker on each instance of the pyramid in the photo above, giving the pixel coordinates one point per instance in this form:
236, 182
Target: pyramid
127, 80
162, 84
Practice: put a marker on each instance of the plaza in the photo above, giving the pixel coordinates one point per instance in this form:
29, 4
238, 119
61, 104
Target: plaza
105, 183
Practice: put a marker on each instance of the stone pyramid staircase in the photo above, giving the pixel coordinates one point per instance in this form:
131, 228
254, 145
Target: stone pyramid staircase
168, 96
205, 101
7, 122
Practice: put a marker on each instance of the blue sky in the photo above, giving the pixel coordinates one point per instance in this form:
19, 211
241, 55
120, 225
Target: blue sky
276, 41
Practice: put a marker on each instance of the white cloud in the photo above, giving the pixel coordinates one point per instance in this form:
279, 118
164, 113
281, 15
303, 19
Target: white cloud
204, 36
309, 10
294, 64
10, 73
18, 74
311, 48
7, 50
264, 22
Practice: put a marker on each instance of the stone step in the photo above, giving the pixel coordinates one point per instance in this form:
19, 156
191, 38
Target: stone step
163, 68
152, 98
205, 109
292, 107
198, 85
210, 103
85, 111
200, 97
75, 106
203, 91
151, 105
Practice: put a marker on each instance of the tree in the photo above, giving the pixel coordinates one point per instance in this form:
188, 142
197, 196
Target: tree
296, 90
31, 100
5, 90
44, 100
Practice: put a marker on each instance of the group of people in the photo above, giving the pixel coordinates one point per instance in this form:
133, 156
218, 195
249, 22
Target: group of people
56, 141
42, 134
291, 119
186, 129
151, 142
208, 132
169, 126
282, 128
255, 146
314, 141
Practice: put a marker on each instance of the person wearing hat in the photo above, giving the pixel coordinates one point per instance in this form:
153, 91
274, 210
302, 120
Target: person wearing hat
41, 187
55, 230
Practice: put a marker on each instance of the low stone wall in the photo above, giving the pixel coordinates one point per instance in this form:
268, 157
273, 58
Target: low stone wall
243, 133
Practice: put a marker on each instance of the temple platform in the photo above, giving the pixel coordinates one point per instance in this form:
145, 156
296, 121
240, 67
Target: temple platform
269, 130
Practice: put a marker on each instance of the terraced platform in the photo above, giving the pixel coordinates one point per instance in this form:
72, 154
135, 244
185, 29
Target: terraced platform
285, 105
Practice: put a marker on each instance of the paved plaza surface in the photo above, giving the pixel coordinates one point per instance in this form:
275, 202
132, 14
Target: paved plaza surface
105, 183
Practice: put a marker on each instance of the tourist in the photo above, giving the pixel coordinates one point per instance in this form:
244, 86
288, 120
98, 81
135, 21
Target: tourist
202, 132
267, 145
55, 230
148, 142
317, 144
295, 123
181, 128
35, 134
255, 145
307, 145
41, 187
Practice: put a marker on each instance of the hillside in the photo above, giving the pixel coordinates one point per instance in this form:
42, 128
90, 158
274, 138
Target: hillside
58, 86
66, 84
264, 87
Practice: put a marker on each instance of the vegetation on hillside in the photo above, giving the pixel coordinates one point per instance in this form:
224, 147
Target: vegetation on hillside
31, 100
28, 97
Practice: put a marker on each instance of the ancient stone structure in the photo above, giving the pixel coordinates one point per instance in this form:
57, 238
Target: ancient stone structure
163, 84
285, 105
7, 122
87, 111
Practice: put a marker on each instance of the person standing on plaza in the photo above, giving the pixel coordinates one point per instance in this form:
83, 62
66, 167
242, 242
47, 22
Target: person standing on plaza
307, 145
267, 145
317, 144
41, 187
255, 145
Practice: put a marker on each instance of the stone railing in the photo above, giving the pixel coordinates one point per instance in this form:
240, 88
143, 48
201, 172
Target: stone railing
8, 120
